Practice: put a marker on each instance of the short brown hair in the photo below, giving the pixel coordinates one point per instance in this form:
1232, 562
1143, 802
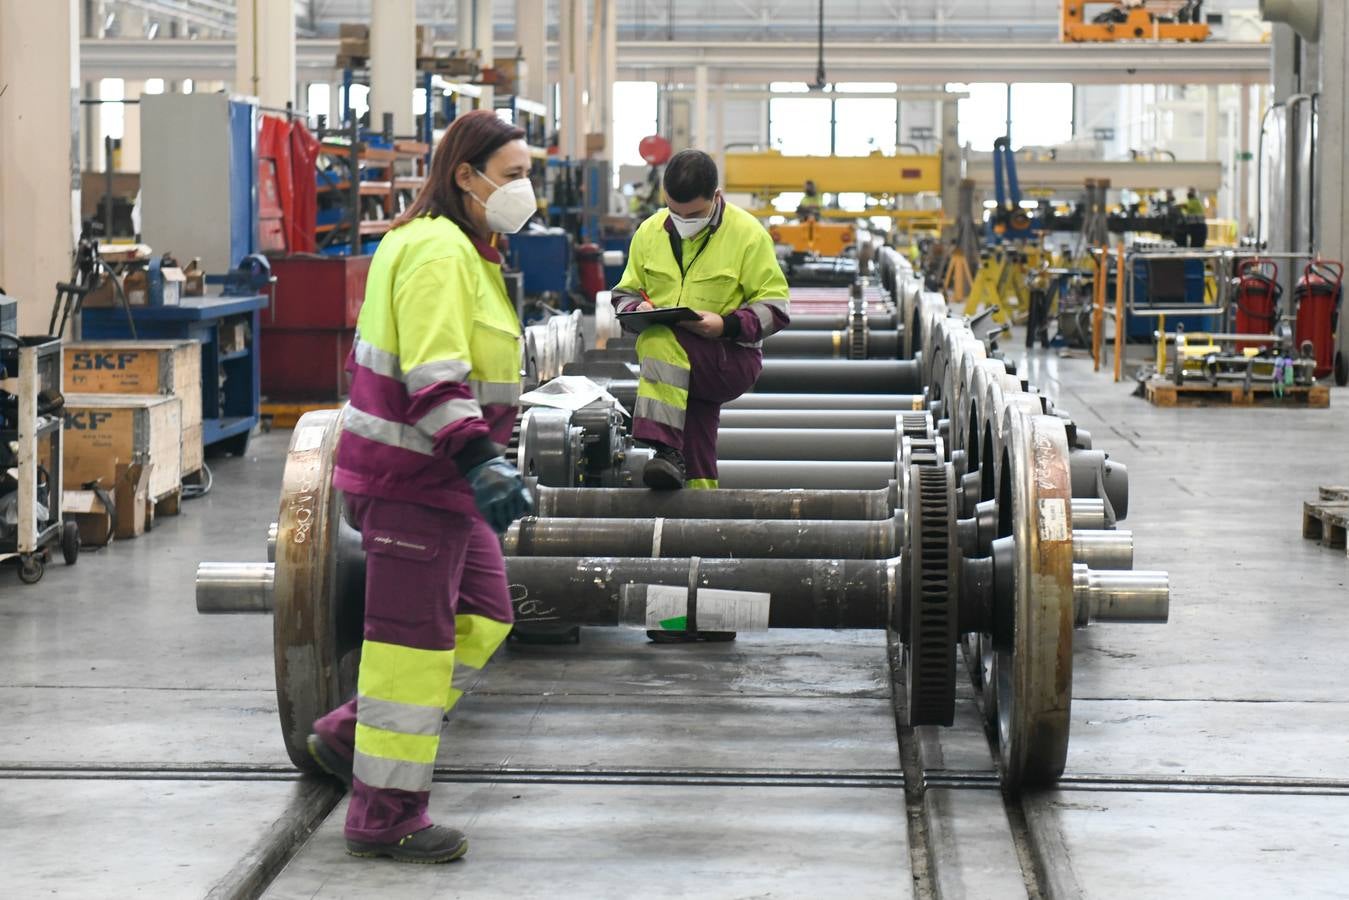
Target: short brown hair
471, 138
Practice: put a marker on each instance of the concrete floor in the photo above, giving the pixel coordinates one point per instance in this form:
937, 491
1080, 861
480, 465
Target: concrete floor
1210, 756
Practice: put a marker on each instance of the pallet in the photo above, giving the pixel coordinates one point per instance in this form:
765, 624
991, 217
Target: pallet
171, 504
1166, 393
286, 415
1325, 521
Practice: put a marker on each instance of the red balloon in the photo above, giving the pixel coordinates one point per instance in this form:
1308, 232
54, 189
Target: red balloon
655, 149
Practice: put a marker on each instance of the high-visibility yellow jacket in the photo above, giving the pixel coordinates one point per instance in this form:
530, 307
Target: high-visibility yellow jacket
730, 268
435, 368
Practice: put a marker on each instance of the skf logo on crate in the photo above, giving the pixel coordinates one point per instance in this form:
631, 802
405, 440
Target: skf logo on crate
86, 420
90, 361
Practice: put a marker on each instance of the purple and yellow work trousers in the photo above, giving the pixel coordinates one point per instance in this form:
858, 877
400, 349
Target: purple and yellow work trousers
684, 381
436, 600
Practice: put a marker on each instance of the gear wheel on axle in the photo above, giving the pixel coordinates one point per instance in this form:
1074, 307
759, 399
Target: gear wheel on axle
930, 663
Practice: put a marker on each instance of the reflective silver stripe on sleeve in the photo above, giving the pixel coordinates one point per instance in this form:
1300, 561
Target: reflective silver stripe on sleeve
378, 772
499, 392
382, 431
430, 374
660, 413
404, 718
447, 413
665, 373
381, 362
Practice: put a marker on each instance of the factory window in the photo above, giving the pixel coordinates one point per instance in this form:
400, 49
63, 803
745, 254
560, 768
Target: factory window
153, 86
789, 87
635, 117
864, 125
359, 100
1041, 114
317, 97
110, 114
188, 86
800, 126
983, 114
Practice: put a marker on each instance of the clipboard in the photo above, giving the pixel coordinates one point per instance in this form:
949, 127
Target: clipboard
668, 315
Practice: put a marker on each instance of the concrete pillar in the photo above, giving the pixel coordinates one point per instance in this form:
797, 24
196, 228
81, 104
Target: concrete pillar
699, 136
1243, 168
572, 58
92, 125
393, 64
40, 149
719, 129
950, 161
1211, 117
463, 25
264, 51
484, 38
1332, 184
610, 75
531, 39
131, 128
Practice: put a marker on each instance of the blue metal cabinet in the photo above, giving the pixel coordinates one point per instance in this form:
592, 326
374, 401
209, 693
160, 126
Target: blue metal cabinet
230, 376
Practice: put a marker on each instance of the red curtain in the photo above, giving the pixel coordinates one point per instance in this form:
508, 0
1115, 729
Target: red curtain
304, 153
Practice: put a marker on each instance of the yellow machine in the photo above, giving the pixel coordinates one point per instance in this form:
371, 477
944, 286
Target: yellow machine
880, 177
819, 238
1141, 21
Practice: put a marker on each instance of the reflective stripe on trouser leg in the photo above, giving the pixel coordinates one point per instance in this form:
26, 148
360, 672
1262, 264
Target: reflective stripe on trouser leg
663, 391
477, 638
401, 697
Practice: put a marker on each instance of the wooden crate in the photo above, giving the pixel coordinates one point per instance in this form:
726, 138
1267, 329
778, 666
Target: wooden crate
1164, 392
103, 431
1327, 520
170, 368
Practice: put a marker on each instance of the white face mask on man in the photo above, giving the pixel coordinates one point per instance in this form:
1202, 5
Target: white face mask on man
510, 206
688, 228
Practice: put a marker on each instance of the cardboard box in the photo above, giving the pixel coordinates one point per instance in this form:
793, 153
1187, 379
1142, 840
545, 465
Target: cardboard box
174, 280
234, 334
132, 499
426, 41
91, 515
169, 368
104, 431
595, 142
353, 48
358, 30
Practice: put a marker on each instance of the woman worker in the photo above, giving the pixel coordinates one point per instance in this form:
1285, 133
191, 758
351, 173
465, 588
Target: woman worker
435, 383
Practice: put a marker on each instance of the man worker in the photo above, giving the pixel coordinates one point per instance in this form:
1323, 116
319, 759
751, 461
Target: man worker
809, 207
1193, 205
703, 253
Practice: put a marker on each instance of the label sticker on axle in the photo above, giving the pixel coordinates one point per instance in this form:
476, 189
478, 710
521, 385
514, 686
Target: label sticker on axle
1054, 520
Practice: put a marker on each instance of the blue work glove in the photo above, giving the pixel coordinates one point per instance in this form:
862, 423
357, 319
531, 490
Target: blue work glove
500, 493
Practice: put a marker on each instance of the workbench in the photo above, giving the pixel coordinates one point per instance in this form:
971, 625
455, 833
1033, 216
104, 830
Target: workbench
227, 328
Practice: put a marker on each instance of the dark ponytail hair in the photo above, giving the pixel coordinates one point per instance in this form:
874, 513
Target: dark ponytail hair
472, 138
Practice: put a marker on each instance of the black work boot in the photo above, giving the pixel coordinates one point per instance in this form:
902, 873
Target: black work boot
436, 844
329, 760
665, 470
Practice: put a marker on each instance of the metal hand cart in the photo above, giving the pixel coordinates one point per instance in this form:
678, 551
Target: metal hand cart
31, 422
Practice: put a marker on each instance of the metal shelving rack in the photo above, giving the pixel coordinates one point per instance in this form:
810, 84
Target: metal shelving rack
36, 364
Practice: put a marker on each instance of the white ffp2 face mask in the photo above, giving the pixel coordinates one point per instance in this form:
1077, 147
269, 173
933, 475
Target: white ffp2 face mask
687, 228
510, 206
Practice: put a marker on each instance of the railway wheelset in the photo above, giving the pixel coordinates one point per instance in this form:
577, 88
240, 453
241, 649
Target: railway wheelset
938, 498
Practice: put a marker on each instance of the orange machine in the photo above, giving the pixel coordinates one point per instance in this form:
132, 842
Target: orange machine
1138, 21
819, 238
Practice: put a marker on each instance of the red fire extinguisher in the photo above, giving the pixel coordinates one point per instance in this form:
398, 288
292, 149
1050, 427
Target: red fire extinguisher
1317, 299
590, 266
1258, 295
